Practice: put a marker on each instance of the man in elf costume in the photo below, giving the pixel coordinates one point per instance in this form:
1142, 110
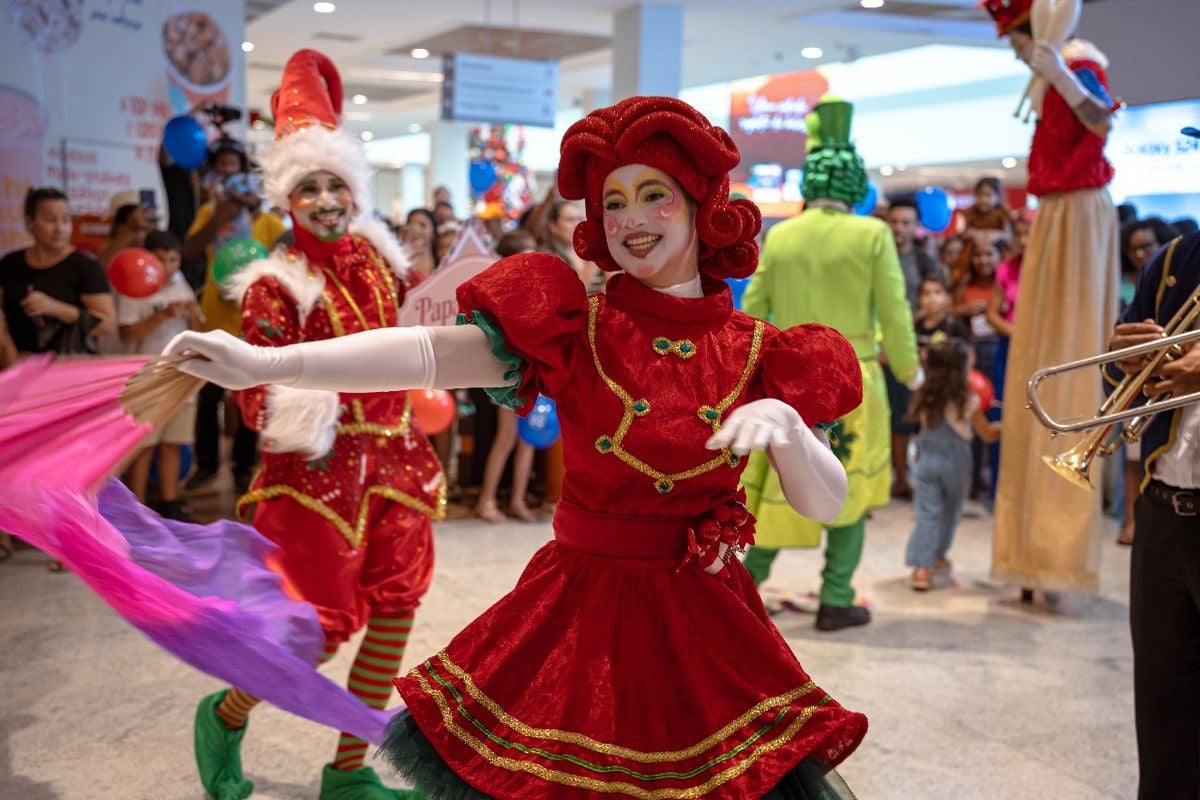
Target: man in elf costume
830, 266
348, 488
1047, 532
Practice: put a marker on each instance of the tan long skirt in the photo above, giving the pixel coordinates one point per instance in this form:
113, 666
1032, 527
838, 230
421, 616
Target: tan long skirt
1047, 530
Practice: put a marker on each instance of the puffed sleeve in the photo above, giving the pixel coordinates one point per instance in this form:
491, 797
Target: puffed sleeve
533, 307
813, 369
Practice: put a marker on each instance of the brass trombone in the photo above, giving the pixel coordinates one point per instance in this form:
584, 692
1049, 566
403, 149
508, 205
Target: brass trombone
1075, 464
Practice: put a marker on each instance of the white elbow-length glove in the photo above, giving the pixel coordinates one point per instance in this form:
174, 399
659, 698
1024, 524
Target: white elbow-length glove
381, 360
813, 480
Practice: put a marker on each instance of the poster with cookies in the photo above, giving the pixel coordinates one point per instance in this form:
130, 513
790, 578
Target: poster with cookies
86, 87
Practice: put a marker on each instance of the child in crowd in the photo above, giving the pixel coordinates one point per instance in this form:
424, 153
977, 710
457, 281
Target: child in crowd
972, 298
948, 413
146, 325
989, 212
507, 438
933, 321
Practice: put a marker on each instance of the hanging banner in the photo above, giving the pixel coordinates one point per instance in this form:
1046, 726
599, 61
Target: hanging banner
87, 85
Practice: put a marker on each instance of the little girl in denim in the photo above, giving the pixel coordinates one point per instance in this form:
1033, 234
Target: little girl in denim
947, 412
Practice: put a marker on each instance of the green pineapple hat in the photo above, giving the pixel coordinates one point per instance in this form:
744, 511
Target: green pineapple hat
834, 169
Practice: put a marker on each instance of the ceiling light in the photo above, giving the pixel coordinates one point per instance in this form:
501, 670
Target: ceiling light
247, 47
359, 99
1009, 162
324, 8
812, 52
886, 170
366, 136
871, 3
414, 128
420, 52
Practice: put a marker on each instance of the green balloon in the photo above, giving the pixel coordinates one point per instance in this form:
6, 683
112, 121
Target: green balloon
234, 255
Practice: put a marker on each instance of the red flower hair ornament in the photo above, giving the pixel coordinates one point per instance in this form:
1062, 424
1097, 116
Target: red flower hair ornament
668, 135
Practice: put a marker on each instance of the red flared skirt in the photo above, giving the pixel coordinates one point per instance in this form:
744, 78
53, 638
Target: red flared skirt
609, 671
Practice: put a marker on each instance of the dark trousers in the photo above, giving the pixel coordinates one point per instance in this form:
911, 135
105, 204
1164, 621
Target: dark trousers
208, 435
1164, 617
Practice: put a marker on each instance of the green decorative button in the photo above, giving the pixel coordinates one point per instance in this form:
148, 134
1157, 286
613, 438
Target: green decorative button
665, 485
708, 414
604, 444
686, 347
733, 458
641, 407
662, 345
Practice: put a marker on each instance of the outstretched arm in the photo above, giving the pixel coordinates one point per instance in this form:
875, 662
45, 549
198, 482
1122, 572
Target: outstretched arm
813, 480
386, 359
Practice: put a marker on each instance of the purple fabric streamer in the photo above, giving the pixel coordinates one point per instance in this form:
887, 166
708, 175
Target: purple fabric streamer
201, 592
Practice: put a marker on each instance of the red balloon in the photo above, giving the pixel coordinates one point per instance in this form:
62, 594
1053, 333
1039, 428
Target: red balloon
135, 272
433, 409
982, 388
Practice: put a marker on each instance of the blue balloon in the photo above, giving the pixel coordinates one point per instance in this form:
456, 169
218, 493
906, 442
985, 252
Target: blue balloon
866, 206
540, 427
738, 287
933, 209
482, 175
184, 140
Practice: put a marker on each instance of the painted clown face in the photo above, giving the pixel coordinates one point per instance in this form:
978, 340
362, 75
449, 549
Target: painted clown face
650, 226
322, 205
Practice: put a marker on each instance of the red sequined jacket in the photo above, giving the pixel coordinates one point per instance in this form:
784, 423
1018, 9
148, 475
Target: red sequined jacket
331, 453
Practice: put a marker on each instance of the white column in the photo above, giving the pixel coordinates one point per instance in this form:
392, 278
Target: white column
647, 50
449, 163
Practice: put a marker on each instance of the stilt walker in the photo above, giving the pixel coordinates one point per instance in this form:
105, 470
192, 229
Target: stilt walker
833, 267
634, 657
1047, 534
348, 487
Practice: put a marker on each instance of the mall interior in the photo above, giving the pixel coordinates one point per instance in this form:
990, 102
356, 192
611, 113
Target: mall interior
533, 399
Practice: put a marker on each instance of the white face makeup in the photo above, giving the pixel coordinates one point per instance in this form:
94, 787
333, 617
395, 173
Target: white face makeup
649, 225
322, 205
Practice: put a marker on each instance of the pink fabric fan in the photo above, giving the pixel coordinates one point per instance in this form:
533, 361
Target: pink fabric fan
201, 592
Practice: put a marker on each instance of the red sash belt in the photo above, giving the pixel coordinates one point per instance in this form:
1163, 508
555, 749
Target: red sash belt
621, 537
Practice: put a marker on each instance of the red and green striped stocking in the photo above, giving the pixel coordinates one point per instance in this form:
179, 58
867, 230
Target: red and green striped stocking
237, 705
377, 662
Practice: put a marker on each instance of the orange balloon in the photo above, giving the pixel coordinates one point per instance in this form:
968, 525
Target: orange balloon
433, 409
135, 272
983, 388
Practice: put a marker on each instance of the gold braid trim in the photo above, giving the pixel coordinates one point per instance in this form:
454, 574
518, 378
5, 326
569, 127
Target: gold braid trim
588, 743
709, 415
609, 787
353, 534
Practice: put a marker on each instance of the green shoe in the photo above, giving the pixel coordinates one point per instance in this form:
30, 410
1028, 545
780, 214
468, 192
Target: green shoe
360, 784
218, 753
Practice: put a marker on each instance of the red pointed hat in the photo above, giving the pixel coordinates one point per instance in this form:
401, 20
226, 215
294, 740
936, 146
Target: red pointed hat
671, 136
1009, 14
308, 137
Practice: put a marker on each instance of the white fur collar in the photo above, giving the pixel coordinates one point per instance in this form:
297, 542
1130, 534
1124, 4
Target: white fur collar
1083, 50
290, 269
376, 232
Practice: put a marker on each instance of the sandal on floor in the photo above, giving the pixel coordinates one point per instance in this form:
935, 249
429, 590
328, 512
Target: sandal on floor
522, 512
488, 510
922, 579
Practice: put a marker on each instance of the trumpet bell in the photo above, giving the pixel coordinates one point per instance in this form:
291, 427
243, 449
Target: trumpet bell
1071, 466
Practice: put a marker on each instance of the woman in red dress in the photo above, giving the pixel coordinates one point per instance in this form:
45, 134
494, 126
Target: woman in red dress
634, 657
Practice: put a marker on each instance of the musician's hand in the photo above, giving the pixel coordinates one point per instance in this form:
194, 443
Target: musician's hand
1130, 334
1179, 377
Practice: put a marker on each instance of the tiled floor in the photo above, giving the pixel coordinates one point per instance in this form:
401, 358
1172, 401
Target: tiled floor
968, 696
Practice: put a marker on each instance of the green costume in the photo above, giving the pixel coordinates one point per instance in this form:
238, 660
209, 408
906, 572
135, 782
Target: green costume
830, 266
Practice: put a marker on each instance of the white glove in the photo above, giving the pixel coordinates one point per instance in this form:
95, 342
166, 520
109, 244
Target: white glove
381, 360
812, 478
917, 381
1046, 61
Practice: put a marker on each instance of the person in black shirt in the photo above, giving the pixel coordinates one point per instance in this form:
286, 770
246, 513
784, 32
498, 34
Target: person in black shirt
932, 319
55, 298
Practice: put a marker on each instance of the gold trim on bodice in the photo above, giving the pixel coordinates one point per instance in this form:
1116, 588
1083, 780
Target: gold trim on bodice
709, 415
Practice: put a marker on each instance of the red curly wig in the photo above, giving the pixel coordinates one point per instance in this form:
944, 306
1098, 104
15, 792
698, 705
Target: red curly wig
671, 136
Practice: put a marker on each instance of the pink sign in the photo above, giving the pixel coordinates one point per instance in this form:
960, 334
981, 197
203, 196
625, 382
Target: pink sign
433, 302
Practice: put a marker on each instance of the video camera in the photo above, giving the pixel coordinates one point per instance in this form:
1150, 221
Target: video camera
221, 115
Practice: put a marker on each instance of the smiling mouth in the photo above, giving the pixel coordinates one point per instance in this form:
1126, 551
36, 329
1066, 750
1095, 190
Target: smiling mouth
328, 219
641, 244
